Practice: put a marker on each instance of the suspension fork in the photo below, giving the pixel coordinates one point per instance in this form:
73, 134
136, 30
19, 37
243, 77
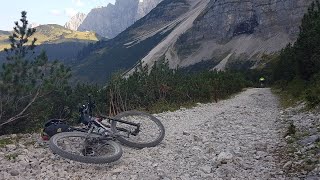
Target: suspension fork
137, 125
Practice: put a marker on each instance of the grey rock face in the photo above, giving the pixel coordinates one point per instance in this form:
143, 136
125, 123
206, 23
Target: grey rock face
111, 20
225, 19
145, 7
225, 31
75, 21
247, 28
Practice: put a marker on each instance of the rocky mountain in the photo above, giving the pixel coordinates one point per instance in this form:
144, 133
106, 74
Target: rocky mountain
111, 20
229, 33
210, 34
75, 21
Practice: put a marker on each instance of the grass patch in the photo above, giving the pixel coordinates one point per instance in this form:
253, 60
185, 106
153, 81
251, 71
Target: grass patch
12, 156
4, 142
286, 99
28, 143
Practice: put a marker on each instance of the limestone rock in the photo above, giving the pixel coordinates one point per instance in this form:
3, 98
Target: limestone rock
225, 157
75, 21
109, 21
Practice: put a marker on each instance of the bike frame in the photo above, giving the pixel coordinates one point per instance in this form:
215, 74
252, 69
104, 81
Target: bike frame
86, 115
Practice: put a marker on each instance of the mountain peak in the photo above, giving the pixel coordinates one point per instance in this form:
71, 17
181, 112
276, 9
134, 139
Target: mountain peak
75, 21
111, 20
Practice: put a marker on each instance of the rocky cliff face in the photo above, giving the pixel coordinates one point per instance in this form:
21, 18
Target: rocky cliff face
111, 20
232, 32
75, 21
240, 30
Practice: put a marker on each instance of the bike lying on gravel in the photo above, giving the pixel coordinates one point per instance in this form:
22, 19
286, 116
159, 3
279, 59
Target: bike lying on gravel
96, 142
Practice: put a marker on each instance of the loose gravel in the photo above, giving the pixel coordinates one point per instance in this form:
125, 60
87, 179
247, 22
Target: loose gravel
233, 139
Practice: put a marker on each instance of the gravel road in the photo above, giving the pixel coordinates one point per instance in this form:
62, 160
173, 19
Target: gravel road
233, 139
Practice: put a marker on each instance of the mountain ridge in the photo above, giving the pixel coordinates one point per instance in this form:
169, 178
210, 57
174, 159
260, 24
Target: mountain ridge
116, 54
222, 33
111, 20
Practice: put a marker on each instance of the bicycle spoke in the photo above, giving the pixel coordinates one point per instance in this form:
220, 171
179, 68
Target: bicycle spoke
85, 147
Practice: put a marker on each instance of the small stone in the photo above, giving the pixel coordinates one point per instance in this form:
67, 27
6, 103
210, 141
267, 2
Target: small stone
97, 168
196, 138
312, 178
210, 150
288, 137
224, 157
195, 150
11, 147
206, 169
23, 158
14, 172
22, 146
13, 136
118, 170
185, 133
165, 178
133, 177
309, 140
288, 165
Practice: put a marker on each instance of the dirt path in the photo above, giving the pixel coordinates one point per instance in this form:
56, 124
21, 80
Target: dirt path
231, 139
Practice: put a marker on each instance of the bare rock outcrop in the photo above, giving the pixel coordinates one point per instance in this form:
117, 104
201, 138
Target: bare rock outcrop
111, 20
75, 21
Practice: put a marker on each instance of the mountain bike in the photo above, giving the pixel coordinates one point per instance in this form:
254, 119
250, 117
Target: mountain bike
95, 142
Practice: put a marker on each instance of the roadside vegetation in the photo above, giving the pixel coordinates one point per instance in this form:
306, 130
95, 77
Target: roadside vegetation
295, 74
296, 71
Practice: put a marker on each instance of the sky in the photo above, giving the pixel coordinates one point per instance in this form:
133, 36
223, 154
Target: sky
45, 11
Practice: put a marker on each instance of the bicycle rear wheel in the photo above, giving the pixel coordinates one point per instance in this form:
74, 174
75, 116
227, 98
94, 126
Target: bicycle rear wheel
78, 146
151, 129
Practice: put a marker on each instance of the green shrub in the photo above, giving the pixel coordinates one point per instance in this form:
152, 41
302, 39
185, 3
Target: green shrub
296, 70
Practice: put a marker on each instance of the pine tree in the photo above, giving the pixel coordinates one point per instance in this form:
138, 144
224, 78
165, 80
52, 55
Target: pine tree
25, 78
308, 45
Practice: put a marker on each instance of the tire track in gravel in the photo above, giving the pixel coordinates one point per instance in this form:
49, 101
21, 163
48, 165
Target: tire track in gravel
232, 139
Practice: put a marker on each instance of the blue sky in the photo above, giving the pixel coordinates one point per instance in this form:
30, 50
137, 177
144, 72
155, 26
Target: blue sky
45, 11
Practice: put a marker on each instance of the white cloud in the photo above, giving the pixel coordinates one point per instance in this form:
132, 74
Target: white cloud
70, 12
78, 3
55, 12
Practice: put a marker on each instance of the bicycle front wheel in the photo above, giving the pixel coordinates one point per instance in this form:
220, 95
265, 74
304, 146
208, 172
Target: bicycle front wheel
151, 131
80, 146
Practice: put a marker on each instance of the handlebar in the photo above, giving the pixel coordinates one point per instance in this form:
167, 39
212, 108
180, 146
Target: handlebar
86, 110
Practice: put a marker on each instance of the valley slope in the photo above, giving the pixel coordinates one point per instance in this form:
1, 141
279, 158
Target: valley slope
204, 33
59, 42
